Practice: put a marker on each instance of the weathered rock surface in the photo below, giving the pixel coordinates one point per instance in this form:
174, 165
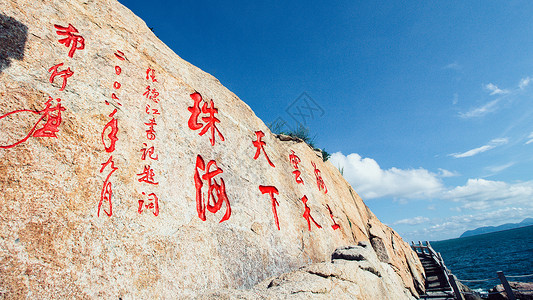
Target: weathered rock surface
81, 110
521, 290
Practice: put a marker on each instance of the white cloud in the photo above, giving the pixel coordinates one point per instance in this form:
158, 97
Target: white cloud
499, 168
412, 221
455, 99
371, 181
453, 66
524, 82
494, 90
446, 173
481, 111
491, 145
481, 193
530, 137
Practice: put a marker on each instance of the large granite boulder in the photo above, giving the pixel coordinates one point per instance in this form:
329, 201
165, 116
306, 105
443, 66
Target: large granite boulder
129, 173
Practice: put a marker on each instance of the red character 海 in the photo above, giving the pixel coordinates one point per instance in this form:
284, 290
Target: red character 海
271, 190
319, 181
259, 144
72, 37
215, 190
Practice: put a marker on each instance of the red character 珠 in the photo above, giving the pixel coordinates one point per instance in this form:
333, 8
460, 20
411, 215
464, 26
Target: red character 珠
65, 74
50, 127
148, 152
77, 41
150, 133
150, 74
259, 145
307, 214
147, 175
152, 203
335, 226
210, 120
214, 190
195, 111
319, 181
107, 191
271, 190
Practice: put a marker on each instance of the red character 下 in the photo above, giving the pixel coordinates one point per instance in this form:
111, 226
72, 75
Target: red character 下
271, 190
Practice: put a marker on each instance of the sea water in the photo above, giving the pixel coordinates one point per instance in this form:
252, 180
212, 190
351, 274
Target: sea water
481, 256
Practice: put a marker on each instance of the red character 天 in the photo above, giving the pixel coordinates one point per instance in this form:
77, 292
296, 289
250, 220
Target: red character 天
319, 181
65, 74
71, 37
51, 115
152, 203
150, 75
107, 191
335, 226
148, 152
259, 144
150, 133
214, 190
147, 175
112, 135
307, 214
271, 190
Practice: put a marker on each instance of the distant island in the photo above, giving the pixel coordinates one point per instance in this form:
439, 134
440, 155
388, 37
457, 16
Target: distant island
489, 229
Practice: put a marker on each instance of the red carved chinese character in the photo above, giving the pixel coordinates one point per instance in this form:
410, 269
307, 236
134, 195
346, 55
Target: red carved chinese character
65, 74
150, 74
195, 111
335, 226
154, 112
118, 70
307, 214
214, 190
152, 203
77, 41
294, 160
150, 133
119, 55
211, 121
259, 145
151, 94
319, 181
147, 175
148, 152
107, 191
112, 135
297, 177
271, 190
50, 127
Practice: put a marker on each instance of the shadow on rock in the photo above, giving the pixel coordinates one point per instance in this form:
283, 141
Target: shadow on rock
13, 36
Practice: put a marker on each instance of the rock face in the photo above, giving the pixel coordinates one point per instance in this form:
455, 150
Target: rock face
129, 173
521, 290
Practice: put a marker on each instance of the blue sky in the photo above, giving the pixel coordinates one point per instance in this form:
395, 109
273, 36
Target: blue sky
427, 105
